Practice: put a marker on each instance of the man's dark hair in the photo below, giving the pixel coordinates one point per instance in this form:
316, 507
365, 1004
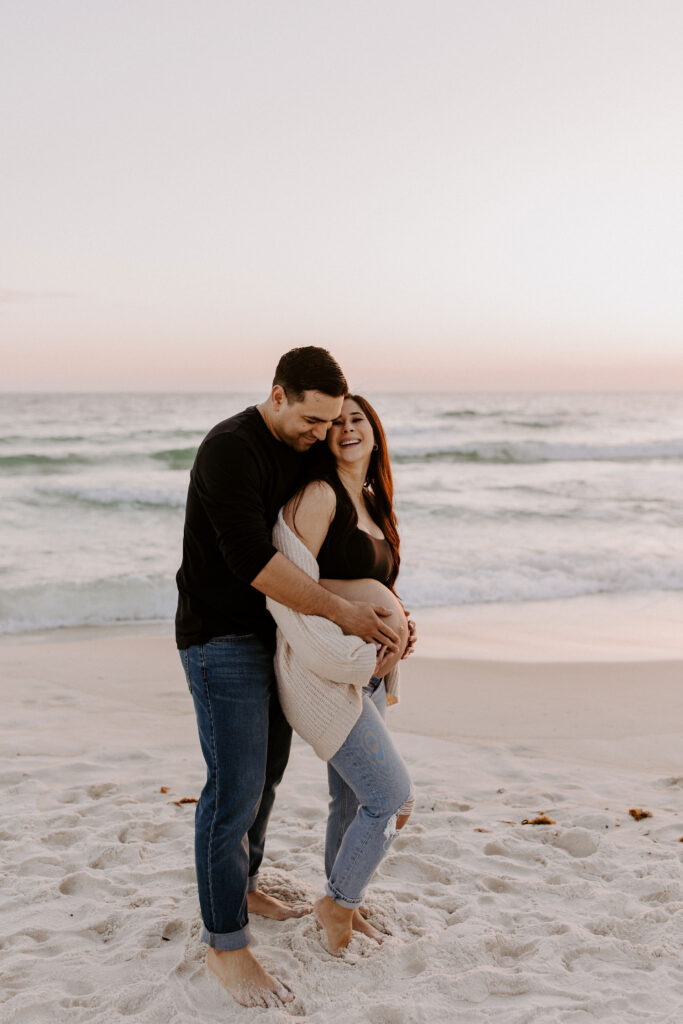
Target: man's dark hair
309, 369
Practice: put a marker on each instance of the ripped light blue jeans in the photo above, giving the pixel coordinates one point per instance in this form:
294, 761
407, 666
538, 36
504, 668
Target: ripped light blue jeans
369, 784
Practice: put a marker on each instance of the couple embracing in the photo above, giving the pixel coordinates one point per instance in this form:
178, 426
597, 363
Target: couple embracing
287, 619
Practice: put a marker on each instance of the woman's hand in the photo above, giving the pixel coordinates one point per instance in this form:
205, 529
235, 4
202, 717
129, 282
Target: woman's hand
383, 655
412, 636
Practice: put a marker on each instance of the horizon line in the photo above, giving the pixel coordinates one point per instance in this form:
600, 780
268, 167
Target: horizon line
379, 391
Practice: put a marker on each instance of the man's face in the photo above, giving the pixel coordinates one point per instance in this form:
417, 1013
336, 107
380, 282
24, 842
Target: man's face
301, 424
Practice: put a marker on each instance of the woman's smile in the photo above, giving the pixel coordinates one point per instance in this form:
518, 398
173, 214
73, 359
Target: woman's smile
351, 430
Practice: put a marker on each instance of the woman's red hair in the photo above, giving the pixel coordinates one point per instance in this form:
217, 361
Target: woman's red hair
379, 484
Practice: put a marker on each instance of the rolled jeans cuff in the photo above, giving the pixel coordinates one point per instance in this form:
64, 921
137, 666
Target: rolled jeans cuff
228, 940
339, 898
252, 883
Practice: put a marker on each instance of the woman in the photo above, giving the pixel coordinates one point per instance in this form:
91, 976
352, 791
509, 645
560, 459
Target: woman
334, 688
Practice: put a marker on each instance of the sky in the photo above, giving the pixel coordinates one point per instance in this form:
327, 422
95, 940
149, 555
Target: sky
449, 195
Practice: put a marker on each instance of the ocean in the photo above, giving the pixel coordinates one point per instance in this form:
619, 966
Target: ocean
499, 498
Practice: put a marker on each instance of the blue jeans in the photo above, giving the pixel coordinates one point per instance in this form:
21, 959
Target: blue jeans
245, 740
368, 784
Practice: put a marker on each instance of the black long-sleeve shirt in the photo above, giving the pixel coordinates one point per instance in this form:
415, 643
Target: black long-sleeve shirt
241, 477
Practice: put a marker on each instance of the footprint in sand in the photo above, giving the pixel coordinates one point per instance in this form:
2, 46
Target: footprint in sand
132, 1003
41, 867
672, 781
111, 856
498, 885
503, 950
577, 842
65, 838
496, 850
174, 929
142, 832
103, 789
37, 935
82, 883
383, 1013
415, 869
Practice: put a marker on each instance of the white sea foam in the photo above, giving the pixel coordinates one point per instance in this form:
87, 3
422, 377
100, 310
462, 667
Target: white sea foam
91, 603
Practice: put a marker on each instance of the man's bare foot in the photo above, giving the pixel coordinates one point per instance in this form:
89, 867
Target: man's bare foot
359, 924
245, 979
268, 906
337, 923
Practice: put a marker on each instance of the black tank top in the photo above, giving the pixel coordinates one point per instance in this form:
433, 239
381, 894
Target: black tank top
356, 556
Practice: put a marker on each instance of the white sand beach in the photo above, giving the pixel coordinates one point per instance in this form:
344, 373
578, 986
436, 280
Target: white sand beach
572, 710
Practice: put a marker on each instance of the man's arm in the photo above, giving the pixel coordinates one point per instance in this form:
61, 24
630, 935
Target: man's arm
291, 586
315, 510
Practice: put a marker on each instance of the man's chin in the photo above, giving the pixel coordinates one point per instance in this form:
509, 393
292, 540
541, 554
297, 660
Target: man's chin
297, 444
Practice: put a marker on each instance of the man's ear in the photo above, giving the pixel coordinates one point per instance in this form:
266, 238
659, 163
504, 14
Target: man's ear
278, 396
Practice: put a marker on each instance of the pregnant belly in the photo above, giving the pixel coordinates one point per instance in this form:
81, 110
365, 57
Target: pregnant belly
376, 593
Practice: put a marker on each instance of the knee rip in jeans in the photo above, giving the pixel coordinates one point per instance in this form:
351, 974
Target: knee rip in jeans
395, 824
407, 807
390, 832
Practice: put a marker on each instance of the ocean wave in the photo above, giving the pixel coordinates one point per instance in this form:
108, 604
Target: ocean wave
106, 437
42, 438
536, 579
108, 497
553, 510
99, 603
539, 424
144, 599
505, 452
28, 462
173, 433
499, 452
176, 458
472, 514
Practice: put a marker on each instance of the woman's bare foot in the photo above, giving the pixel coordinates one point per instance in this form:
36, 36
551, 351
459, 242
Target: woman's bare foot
245, 979
268, 906
337, 922
359, 924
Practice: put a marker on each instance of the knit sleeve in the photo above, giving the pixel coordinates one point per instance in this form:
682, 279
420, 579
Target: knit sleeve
318, 644
321, 646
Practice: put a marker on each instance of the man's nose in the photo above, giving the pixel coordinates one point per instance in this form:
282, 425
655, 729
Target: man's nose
320, 431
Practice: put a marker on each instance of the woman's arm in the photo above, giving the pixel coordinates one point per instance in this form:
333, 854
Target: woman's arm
314, 513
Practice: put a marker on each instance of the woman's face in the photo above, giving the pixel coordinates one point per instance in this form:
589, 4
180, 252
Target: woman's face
350, 438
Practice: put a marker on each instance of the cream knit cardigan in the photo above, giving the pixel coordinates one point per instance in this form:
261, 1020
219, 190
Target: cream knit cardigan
320, 671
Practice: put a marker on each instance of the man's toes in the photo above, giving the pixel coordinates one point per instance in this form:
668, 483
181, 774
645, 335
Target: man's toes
284, 992
300, 909
250, 995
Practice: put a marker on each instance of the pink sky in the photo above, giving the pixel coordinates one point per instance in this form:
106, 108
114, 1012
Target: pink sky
445, 194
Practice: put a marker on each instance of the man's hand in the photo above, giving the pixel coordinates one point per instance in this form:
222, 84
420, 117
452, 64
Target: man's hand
365, 620
412, 636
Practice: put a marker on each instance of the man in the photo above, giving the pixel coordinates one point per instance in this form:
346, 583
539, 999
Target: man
245, 470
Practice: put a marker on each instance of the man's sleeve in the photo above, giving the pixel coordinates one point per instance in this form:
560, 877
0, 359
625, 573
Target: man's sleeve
229, 485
